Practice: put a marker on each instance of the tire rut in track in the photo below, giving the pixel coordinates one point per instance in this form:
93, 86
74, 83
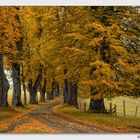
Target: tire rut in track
61, 123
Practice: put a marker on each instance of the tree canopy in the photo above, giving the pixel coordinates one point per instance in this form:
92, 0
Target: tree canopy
94, 47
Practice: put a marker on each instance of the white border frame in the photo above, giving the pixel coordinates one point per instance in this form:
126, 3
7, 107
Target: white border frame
93, 136
70, 2
71, 137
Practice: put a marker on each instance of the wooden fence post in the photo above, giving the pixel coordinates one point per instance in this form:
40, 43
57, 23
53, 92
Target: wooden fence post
124, 108
115, 110
136, 111
80, 104
110, 111
85, 106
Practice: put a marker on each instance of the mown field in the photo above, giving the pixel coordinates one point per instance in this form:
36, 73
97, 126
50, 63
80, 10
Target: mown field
130, 105
130, 102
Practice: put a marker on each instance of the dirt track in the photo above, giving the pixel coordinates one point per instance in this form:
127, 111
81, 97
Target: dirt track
44, 119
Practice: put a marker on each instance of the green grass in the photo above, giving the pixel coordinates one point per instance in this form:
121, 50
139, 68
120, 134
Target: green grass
111, 121
6, 113
10, 112
128, 122
6, 116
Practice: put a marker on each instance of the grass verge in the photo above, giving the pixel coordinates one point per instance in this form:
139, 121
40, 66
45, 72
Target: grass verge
11, 112
103, 121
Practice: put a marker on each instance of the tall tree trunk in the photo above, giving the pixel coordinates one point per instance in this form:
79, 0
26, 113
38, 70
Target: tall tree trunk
6, 88
24, 87
73, 93
31, 92
43, 91
57, 89
34, 88
53, 89
70, 92
48, 96
4, 85
98, 104
24, 91
16, 100
1, 80
66, 89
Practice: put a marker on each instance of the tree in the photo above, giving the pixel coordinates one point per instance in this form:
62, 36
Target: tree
71, 47
9, 35
94, 35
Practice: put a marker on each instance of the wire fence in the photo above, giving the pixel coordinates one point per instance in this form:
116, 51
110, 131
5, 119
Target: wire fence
122, 108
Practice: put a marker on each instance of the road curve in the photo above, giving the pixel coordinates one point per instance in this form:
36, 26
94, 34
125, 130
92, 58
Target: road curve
60, 123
